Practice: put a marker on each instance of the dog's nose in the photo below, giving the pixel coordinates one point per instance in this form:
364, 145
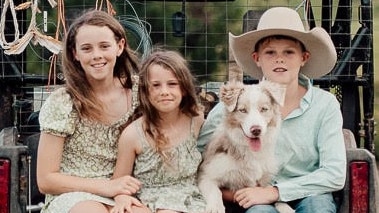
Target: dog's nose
255, 130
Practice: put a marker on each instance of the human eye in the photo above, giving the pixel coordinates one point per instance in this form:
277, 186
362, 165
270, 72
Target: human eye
155, 84
289, 52
85, 48
105, 46
269, 52
173, 83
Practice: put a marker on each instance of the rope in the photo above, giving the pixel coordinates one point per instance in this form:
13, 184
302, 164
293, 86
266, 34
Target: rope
61, 22
18, 45
54, 45
3, 41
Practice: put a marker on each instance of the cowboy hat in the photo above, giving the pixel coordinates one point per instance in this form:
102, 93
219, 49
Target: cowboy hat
287, 22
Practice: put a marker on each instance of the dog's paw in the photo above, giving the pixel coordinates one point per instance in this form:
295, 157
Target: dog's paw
215, 209
283, 207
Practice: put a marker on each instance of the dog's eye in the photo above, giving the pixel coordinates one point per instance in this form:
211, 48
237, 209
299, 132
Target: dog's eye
242, 110
264, 109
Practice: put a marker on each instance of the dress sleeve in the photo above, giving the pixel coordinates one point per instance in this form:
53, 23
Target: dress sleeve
56, 116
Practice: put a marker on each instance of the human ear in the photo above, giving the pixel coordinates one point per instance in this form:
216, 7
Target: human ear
255, 58
121, 46
306, 56
74, 54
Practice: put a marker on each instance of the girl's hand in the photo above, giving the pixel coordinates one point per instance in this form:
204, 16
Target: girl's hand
126, 185
125, 203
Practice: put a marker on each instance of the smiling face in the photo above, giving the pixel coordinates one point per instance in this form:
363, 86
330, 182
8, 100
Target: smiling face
280, 59
165, 93
97, 49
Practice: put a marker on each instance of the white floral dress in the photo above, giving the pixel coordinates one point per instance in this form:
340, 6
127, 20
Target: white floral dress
169, 187
89, 149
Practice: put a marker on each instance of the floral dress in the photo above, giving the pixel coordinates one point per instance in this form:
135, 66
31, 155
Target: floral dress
89, 149
169, 186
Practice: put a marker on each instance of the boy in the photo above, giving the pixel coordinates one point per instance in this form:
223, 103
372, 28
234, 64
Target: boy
310, 148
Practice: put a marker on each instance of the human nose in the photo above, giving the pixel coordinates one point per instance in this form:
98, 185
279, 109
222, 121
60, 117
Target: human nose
97, 54
164, 89
279, 59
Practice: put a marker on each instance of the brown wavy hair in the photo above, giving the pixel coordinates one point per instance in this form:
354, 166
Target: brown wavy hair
85, 102
189, 105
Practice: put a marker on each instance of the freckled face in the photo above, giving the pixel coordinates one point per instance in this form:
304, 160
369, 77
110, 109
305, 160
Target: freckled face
165, 93
97, 49
281, 60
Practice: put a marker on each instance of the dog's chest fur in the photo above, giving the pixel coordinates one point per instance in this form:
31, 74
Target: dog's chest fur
241, 167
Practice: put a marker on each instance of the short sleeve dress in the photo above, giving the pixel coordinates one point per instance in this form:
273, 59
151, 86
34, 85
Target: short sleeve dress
89, 149
170, 186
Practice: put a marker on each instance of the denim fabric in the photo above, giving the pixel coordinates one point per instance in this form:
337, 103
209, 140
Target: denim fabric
262, 209
316, 204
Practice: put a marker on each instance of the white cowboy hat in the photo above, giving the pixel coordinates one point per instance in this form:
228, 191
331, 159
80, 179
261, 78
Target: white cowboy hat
285, 21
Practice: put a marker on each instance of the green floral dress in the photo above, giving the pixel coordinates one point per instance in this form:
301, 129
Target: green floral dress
169, 186
89, 149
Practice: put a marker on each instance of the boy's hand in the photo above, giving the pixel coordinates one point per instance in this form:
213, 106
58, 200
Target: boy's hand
250, 196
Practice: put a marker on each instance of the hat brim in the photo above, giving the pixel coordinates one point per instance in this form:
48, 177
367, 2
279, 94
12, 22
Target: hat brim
316, 41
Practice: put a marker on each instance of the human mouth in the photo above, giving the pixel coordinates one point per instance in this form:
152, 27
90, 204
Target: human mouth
98, 65
165, 100
280, 69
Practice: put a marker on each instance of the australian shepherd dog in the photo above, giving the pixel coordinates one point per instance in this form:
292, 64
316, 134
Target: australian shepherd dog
241, 151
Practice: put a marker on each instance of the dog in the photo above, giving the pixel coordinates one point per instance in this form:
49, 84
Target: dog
241, 151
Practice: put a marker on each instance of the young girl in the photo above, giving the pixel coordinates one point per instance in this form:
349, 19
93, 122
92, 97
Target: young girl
159, 148
81, 122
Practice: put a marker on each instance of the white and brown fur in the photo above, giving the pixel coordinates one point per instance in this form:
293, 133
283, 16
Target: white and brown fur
252, 113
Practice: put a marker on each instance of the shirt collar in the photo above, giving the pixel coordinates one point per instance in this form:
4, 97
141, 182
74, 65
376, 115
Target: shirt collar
306, 82
307, 98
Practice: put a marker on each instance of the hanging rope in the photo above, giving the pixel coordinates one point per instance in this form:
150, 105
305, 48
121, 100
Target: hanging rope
109, 6
54, 45
3, 41
61, 23
18, 45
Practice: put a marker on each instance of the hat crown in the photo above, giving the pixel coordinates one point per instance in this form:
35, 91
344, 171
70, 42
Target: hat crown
273, 19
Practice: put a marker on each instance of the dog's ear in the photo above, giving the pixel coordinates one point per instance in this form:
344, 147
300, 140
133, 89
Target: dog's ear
276, 90
229, 94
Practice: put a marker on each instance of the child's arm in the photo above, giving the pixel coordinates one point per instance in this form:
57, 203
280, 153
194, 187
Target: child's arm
127, 149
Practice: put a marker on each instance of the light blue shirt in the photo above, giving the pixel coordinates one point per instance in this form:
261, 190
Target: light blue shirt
310, 148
